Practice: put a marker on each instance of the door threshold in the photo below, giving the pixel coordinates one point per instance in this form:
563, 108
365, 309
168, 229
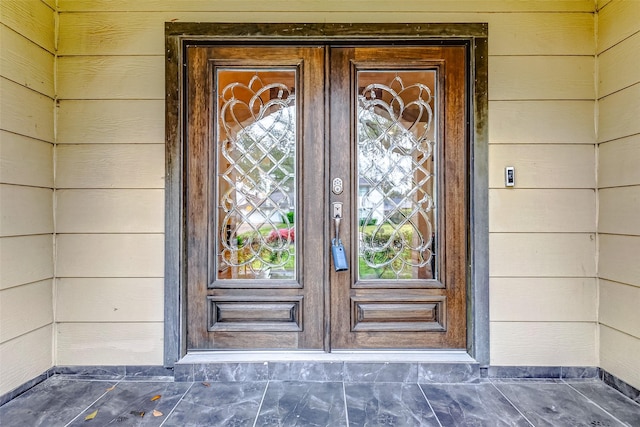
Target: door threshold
436, 366
362, 356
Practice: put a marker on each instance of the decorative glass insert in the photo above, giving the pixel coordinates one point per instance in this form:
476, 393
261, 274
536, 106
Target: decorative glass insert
396, 174
256, 164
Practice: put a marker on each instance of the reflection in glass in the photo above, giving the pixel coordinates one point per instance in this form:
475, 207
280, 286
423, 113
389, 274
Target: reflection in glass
256, 184
396, 190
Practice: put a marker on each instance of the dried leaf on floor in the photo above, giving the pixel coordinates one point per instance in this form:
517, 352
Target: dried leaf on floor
137, 413
157, 413
91, 415
156, 397
206, 384
111, 388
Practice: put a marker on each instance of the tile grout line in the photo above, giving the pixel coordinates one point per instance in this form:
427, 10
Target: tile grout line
511, 403
429, 403
93, 403
264, 394
594, 403
346, 408
177, 403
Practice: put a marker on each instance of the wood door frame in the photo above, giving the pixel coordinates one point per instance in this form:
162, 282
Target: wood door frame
475, 36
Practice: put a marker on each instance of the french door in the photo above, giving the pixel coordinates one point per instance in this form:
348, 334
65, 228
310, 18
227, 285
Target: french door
297, 154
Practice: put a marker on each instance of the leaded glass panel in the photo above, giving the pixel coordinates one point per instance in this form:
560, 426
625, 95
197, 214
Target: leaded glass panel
256, 182
396, 174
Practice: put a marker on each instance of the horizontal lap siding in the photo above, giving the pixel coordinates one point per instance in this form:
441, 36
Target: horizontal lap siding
619, 188
111, 162
27, 91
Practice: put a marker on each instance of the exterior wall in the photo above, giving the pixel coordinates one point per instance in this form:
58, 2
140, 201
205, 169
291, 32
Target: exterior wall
619, 188
26, 190
110, 162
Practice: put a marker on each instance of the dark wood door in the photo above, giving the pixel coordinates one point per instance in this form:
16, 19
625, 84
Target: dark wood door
398, 141
259, 197
255, 197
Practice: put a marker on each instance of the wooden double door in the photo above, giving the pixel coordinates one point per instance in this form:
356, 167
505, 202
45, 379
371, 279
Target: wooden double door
297, 154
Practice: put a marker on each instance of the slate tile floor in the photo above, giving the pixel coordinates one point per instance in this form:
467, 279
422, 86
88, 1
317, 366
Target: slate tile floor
66, 401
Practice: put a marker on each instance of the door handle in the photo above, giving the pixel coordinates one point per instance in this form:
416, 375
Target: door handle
337, 249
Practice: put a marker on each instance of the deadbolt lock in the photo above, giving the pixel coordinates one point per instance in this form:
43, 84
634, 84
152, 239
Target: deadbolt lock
337, 186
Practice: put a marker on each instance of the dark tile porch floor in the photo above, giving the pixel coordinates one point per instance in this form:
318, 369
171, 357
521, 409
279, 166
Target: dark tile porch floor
64, 400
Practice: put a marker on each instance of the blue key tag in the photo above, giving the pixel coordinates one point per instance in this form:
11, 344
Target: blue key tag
339, 255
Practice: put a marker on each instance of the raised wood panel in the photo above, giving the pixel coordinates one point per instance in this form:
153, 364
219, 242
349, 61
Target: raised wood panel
619, 355
25, 160
25, 111
542, 255
111, 77
109, 343
619, 307
25, 259
110, 122
110, 166
522, 210
619, 210
544, 343
328, 5
619, 67
541, 77
110, 211
141, 33
31, 18
618, 162
618, 20
543, 166
388, 314
618, 258
618, 114
25, 357
109, 300
562, 122
255, 314
110, 255
549, 299
25, 308
25, 62
25, 210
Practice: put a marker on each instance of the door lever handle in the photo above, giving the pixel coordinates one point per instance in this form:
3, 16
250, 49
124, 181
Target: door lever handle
337, 249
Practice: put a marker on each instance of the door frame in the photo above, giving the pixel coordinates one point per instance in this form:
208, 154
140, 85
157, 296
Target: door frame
474, 35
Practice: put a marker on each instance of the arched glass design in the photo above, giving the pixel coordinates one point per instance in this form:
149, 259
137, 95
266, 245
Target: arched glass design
396, 174
256, 180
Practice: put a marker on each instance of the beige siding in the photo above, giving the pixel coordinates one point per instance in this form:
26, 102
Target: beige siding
542, 255
110, 255
619, 188
25, 259
548, 122
544, 343
110, 211
25, 210
109, 343
110, 166
542, 211
109, 300
619, 355
25, 357
111, 121
25, 308
27, 89
111, 161
549, 166
533, 299
25, 161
